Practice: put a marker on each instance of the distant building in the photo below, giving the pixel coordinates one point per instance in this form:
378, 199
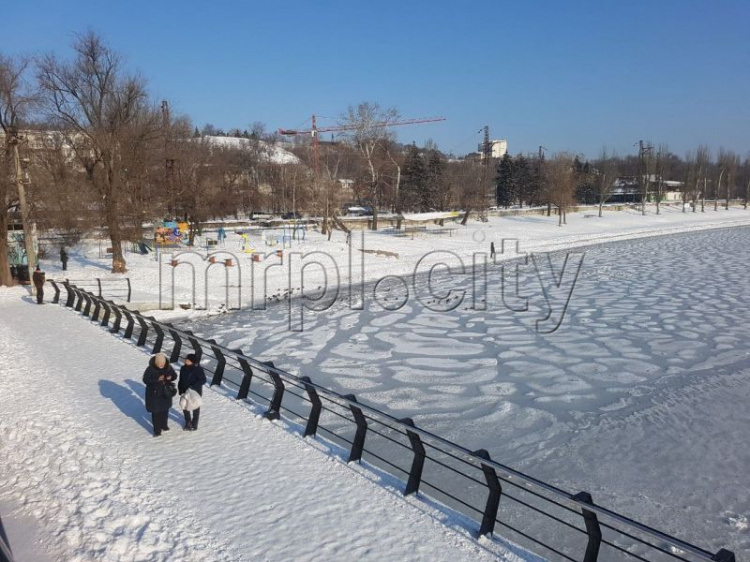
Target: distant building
627, 189
499, 148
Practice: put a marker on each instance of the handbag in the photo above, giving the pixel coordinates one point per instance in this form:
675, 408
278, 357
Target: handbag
168, 390
190, 400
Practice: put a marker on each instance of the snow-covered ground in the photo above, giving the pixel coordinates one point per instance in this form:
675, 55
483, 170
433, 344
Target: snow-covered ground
81, 476
386, 253
639, 397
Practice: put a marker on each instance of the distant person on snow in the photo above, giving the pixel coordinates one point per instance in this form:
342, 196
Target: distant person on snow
39, 278
192, 378
160, 390
492, 250
64, 258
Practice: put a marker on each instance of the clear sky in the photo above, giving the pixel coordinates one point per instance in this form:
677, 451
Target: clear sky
572, 75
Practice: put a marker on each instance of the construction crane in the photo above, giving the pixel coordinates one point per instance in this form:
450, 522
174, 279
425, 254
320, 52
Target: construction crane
314, 131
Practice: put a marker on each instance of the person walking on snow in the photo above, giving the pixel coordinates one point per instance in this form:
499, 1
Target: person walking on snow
192, 377
39, 278
492, 250
64, 258
158, 378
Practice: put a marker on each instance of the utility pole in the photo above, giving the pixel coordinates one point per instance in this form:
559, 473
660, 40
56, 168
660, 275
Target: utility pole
541, 179
486, 158
643, 171
168, 160
28, 235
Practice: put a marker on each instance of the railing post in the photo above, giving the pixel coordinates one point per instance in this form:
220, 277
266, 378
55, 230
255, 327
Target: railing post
87, 308
57, 292
99, 283
70, 299
177, 344
274, 408
144, 330
97, 310
358, 444
159, 335
196, 346
79, 294
493, 499
105, 318
592, 528
316, 406
129, 288
723, 555
118, 318
221, 363
417, 465
247, 375
131, 323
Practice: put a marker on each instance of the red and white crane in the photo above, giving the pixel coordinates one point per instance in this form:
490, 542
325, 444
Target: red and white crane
315, 130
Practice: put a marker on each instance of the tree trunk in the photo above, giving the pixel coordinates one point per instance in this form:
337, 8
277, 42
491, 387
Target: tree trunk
111, 203
466, 217
600, 207
729, 183
718, 190
115, 237
658, 196
549, 209
6, 279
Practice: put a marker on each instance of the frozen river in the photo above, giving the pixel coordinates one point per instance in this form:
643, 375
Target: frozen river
640, 396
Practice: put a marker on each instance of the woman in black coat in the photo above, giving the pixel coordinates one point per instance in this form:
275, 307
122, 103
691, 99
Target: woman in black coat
156, 377
191, 377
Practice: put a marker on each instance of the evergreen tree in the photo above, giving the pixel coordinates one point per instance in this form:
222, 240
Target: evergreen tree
585, 192
523, 177
434, 193
413, 180
505, 193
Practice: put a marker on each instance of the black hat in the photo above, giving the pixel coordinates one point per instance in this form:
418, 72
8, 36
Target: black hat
191, 357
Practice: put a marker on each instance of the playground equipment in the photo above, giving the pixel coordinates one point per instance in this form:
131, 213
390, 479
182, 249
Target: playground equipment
230, 260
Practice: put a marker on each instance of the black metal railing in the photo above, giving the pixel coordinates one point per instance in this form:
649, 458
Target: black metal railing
547, 519
6, 555
119, 289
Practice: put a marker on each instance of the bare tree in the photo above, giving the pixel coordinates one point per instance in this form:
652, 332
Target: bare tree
606, 174
703, 163
16, 100
370, 133
721, 164
97, 107
731, 164
560, 177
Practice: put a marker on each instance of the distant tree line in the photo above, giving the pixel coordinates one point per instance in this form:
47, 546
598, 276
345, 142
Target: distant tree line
565, 180
85, 147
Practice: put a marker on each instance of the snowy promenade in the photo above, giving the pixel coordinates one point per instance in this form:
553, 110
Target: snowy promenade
81, 478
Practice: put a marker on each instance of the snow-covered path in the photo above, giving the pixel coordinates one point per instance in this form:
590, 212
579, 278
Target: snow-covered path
77, 455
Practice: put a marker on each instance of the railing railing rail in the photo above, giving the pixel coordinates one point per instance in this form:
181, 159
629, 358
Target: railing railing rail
120, 288
579, 508
6, 555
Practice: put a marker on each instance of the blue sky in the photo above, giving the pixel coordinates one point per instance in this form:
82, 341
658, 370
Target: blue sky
570, 76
